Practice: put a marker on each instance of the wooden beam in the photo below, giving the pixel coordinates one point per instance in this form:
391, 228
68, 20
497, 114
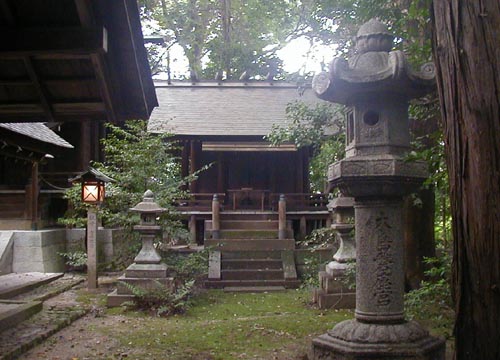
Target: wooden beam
85, 13
37, 41
104, 80
9, 109
42, 92
6, 11
16, 82
79, 108
58, 109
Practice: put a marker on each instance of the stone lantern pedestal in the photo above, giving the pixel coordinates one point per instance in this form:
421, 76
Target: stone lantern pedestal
147, 271
333, 293
376, 85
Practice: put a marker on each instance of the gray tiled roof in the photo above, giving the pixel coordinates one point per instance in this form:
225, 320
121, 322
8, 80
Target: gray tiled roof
226, 109
37, 131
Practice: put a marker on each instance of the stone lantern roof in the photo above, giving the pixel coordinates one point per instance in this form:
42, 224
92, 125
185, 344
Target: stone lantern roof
148, 204
374, 69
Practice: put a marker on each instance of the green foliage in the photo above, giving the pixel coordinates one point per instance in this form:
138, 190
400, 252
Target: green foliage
162, 300
233, 36
193, 266
138, 161
349, 278
433, 301
75, 259
319, 239
307, 127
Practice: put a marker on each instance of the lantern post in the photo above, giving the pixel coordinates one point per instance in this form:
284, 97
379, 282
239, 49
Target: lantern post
93, 187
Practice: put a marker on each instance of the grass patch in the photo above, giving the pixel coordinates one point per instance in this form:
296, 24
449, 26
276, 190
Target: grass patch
229, 326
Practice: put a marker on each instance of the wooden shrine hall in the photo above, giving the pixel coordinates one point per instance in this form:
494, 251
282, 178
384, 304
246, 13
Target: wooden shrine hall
224, 124
66, 66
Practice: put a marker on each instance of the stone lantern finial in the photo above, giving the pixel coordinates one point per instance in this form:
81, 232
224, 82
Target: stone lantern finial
374, 36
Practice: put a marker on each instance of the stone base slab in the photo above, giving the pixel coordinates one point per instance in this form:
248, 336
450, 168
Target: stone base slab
143, 283
353, 340
13, 312
332, 285
149, 271
114, 299
334, 301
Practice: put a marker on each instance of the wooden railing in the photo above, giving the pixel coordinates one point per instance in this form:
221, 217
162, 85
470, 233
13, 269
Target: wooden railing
300, 201
199, 201
269, 201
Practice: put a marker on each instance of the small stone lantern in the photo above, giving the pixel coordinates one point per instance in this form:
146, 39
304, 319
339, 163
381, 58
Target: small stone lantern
342, 209
376, 85
333, 293
148, 260
147, 271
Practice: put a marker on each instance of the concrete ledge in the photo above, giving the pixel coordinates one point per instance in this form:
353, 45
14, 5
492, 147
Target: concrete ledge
13, 312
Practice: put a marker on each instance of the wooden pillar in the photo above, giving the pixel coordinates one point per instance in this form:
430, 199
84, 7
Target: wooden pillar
220, 173
195, 150
85, 146
303, 227
192, 229
92, 248
33, 196
215, 218
282, 217
272, 172
185, 161
305, 170
299, 171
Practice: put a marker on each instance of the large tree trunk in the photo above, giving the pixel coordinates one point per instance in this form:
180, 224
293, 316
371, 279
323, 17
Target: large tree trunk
466, 50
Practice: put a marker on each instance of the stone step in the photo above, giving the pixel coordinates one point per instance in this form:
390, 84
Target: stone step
234, 264
252, 274
254, 289
250, 244
251, 255
245, 225
14, 284
248, 215
248, 234
220, 284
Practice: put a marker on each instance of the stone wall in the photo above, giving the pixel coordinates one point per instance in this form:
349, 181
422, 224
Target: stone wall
37, 251
110, 242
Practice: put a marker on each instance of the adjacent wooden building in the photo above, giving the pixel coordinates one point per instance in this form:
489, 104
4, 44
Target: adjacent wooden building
72, 65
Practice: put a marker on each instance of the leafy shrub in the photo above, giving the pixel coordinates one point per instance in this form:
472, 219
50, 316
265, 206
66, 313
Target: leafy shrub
162, 300
193, 266
76, 260
433, 298
319, 238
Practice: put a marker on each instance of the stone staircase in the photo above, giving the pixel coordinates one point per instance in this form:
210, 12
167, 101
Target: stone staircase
34, 306
248, 256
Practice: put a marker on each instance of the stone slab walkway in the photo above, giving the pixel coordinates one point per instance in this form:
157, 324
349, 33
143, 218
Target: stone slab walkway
60, 308
16, 283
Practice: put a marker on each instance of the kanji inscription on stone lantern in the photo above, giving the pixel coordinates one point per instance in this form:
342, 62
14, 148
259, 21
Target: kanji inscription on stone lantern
376, 85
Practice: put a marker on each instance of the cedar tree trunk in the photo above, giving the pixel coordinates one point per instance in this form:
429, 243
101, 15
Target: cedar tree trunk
467, 56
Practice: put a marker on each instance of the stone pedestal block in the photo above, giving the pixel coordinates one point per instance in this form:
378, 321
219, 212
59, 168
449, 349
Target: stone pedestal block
354, 340
333, 293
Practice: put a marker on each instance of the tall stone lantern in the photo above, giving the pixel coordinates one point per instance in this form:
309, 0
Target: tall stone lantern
147, 271
376, 85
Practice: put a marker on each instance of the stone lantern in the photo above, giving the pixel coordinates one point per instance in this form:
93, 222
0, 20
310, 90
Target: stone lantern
376, 85
148, 260
147, 271
333, 293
